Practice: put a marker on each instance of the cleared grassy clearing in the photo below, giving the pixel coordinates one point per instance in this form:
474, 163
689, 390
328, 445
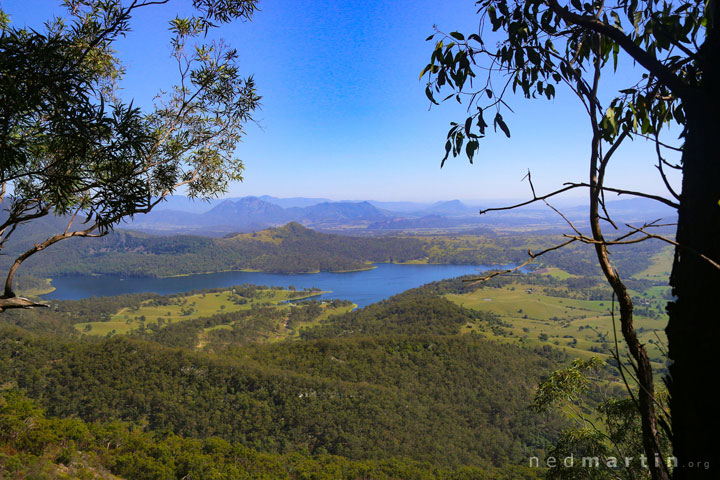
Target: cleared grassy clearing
37, 290
219, 327
660, 267
528, 300
289, 333
181, 308
581, 327
555, 273
658, 293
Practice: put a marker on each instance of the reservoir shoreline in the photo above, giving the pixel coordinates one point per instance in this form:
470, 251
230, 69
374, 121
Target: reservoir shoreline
362, 287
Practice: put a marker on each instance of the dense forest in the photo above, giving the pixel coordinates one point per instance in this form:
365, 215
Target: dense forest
35, 446
400, 315
388, 381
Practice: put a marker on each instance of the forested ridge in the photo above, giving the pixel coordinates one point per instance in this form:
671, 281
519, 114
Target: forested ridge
291, 249
296, 249
390, 388
37, 446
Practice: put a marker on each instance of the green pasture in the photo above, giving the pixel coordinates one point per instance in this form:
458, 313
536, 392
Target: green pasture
180, 308
660, 267
555, 273
580, 327
43, 287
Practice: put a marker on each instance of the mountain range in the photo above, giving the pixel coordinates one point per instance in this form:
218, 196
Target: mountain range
249, 214
221, 217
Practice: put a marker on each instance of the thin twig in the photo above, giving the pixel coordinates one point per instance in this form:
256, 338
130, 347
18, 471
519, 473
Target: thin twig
532, 256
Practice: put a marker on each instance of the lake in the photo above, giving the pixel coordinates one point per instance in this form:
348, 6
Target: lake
362, 288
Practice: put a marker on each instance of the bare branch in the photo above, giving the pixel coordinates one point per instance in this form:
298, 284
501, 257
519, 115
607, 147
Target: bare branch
532, 256
659, 166
678, 245
567, 220
621, 191
19, 302
536, 199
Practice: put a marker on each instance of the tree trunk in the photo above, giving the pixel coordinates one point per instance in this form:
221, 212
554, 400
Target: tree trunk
693, 330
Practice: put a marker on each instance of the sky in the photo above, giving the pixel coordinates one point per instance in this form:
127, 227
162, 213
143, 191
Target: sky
344, 115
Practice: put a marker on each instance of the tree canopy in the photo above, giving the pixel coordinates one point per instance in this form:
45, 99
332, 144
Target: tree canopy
70, 144
547, 45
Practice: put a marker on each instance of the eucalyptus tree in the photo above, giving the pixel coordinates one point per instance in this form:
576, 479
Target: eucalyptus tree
545, 47
71, 146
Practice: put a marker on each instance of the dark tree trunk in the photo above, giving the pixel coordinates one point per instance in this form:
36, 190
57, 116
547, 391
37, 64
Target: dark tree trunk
694, 328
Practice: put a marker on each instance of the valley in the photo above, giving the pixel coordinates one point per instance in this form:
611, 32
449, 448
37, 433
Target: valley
390, 359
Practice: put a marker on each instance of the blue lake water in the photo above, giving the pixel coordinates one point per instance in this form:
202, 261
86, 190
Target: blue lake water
362, 288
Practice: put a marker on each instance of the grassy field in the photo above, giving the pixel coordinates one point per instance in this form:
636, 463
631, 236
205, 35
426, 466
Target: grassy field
31, 286
555, 273
660, 266
580, 327
181, 308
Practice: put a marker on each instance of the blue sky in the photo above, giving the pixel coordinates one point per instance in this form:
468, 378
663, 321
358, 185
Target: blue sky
344, 115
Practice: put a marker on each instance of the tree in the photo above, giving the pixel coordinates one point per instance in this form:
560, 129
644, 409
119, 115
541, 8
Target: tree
70, 146
675, 47
610, 435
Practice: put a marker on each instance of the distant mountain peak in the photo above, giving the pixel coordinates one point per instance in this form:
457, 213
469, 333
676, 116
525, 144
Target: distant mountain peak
449, 203
293, 227
276, 235
451, 208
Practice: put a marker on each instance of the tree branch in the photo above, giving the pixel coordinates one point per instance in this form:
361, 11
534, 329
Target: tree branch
651, 64
533, 256
621, 191
535, 199
8, 292
19, 302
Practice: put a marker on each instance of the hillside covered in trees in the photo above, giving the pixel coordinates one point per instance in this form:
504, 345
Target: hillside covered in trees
296, 249
395, 380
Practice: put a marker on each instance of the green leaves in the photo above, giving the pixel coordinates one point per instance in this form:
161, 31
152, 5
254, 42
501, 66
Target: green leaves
460, 135
539, 48
4, 20
470, 149
499, 122
609, 124
565, 385
71, 146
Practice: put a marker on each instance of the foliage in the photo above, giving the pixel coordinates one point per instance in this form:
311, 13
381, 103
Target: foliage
604, 444
71, 146
545, 45
567, 385
445, 399
402, 314
38, 446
